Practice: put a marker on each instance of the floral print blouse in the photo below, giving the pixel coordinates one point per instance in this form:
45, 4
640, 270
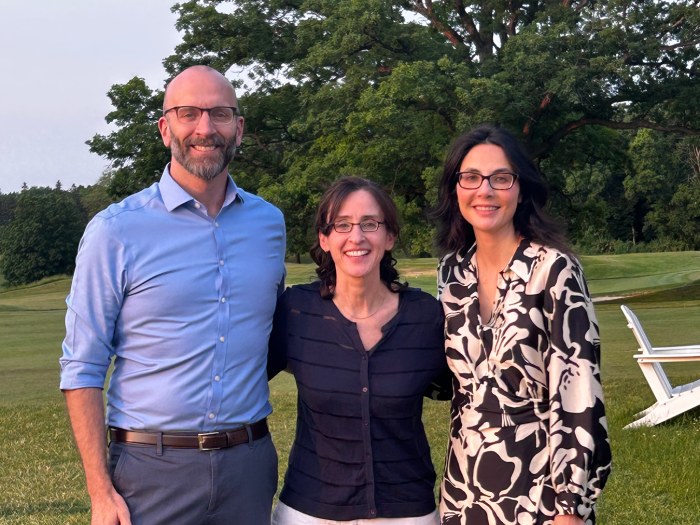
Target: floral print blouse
528, 433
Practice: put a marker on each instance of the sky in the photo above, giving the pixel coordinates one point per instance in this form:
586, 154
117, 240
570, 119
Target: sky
58, 60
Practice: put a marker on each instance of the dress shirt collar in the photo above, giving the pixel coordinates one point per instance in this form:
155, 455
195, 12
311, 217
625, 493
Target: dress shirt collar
174, 195
523, 260
467, 256
521, 264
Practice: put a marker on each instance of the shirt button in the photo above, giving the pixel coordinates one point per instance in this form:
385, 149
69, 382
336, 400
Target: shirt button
211, 416
364, 389
216, 378
366, 422
223, 299
216, 224
197, 205
364, 358
221, 262
367, 455
222, 339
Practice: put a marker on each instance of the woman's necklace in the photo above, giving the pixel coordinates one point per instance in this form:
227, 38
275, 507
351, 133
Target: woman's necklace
342, 311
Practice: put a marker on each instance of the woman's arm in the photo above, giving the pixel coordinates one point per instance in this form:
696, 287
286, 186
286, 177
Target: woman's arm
440, 389
277, 346
580, 454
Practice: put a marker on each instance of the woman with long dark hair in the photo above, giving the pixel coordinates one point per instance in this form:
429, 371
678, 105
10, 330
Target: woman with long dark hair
363, 348
528, 434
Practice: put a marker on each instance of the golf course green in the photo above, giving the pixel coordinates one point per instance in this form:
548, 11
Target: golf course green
656, 472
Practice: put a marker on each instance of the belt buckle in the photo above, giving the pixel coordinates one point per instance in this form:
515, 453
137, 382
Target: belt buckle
200, 438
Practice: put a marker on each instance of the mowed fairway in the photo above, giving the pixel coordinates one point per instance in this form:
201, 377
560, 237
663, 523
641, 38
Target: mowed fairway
656, 474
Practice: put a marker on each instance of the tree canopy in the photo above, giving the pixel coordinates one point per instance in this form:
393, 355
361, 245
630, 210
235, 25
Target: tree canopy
604, 95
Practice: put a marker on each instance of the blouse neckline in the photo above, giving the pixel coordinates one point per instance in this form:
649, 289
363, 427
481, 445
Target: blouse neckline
386, 329
522, 262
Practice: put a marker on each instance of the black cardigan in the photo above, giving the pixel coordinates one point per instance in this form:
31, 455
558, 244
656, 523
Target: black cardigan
360, 449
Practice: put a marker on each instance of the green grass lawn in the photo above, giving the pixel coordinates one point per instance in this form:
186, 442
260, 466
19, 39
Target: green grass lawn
656, 474
624, 274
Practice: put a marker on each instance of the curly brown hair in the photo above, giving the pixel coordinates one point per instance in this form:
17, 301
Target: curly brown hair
328, 210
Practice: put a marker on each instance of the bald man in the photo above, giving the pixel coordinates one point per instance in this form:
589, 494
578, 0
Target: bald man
178, 285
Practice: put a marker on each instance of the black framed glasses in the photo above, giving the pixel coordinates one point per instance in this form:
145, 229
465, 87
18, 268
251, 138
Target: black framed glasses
370, 225
191, 114
498, 180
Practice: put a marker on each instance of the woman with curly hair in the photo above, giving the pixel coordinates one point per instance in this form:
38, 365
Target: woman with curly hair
363, 349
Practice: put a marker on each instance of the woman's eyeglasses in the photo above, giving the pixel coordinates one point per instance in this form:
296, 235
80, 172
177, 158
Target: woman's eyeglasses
498, 180
346, 226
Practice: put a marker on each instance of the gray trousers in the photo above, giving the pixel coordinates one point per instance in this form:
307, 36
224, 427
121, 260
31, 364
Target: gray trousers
232, 486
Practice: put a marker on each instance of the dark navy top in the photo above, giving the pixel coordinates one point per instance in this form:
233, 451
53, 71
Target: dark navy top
360, 450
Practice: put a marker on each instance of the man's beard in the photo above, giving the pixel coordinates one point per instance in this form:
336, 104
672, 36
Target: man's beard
208, 167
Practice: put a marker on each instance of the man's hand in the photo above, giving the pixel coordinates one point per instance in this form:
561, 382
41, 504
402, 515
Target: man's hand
87, 416
110, 509
567, 519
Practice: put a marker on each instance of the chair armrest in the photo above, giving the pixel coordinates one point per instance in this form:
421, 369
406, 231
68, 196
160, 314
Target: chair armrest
688, 348
666, 357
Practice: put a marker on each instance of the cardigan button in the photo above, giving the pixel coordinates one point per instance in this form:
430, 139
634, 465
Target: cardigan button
366, 422
364, 389
372, 512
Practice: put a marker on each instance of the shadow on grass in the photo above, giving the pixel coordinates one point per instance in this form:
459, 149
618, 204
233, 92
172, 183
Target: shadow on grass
6, 308
52, 508
686, 293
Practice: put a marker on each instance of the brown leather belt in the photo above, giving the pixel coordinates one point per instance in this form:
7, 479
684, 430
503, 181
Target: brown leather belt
202, 440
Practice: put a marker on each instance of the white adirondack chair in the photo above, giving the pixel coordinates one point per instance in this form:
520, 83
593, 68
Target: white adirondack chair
670, 401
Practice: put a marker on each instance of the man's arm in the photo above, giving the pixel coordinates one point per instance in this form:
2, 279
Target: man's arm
87, 418
94, 304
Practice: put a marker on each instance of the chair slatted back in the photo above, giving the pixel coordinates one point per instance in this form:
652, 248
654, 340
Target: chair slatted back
636, 327
662, 388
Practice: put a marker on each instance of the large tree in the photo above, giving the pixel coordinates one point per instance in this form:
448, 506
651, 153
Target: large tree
379, 88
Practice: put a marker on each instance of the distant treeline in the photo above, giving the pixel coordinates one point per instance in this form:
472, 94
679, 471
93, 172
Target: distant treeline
633, 192
641, 192
40, 229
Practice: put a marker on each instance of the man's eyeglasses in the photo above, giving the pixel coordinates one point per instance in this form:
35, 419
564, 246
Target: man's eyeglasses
369, 225
499, 180
191, 114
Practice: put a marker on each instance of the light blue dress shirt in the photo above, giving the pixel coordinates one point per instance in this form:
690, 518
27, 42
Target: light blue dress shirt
183, 302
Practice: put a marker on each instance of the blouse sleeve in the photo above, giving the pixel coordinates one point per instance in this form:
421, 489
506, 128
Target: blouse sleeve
580, 453
277, 346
